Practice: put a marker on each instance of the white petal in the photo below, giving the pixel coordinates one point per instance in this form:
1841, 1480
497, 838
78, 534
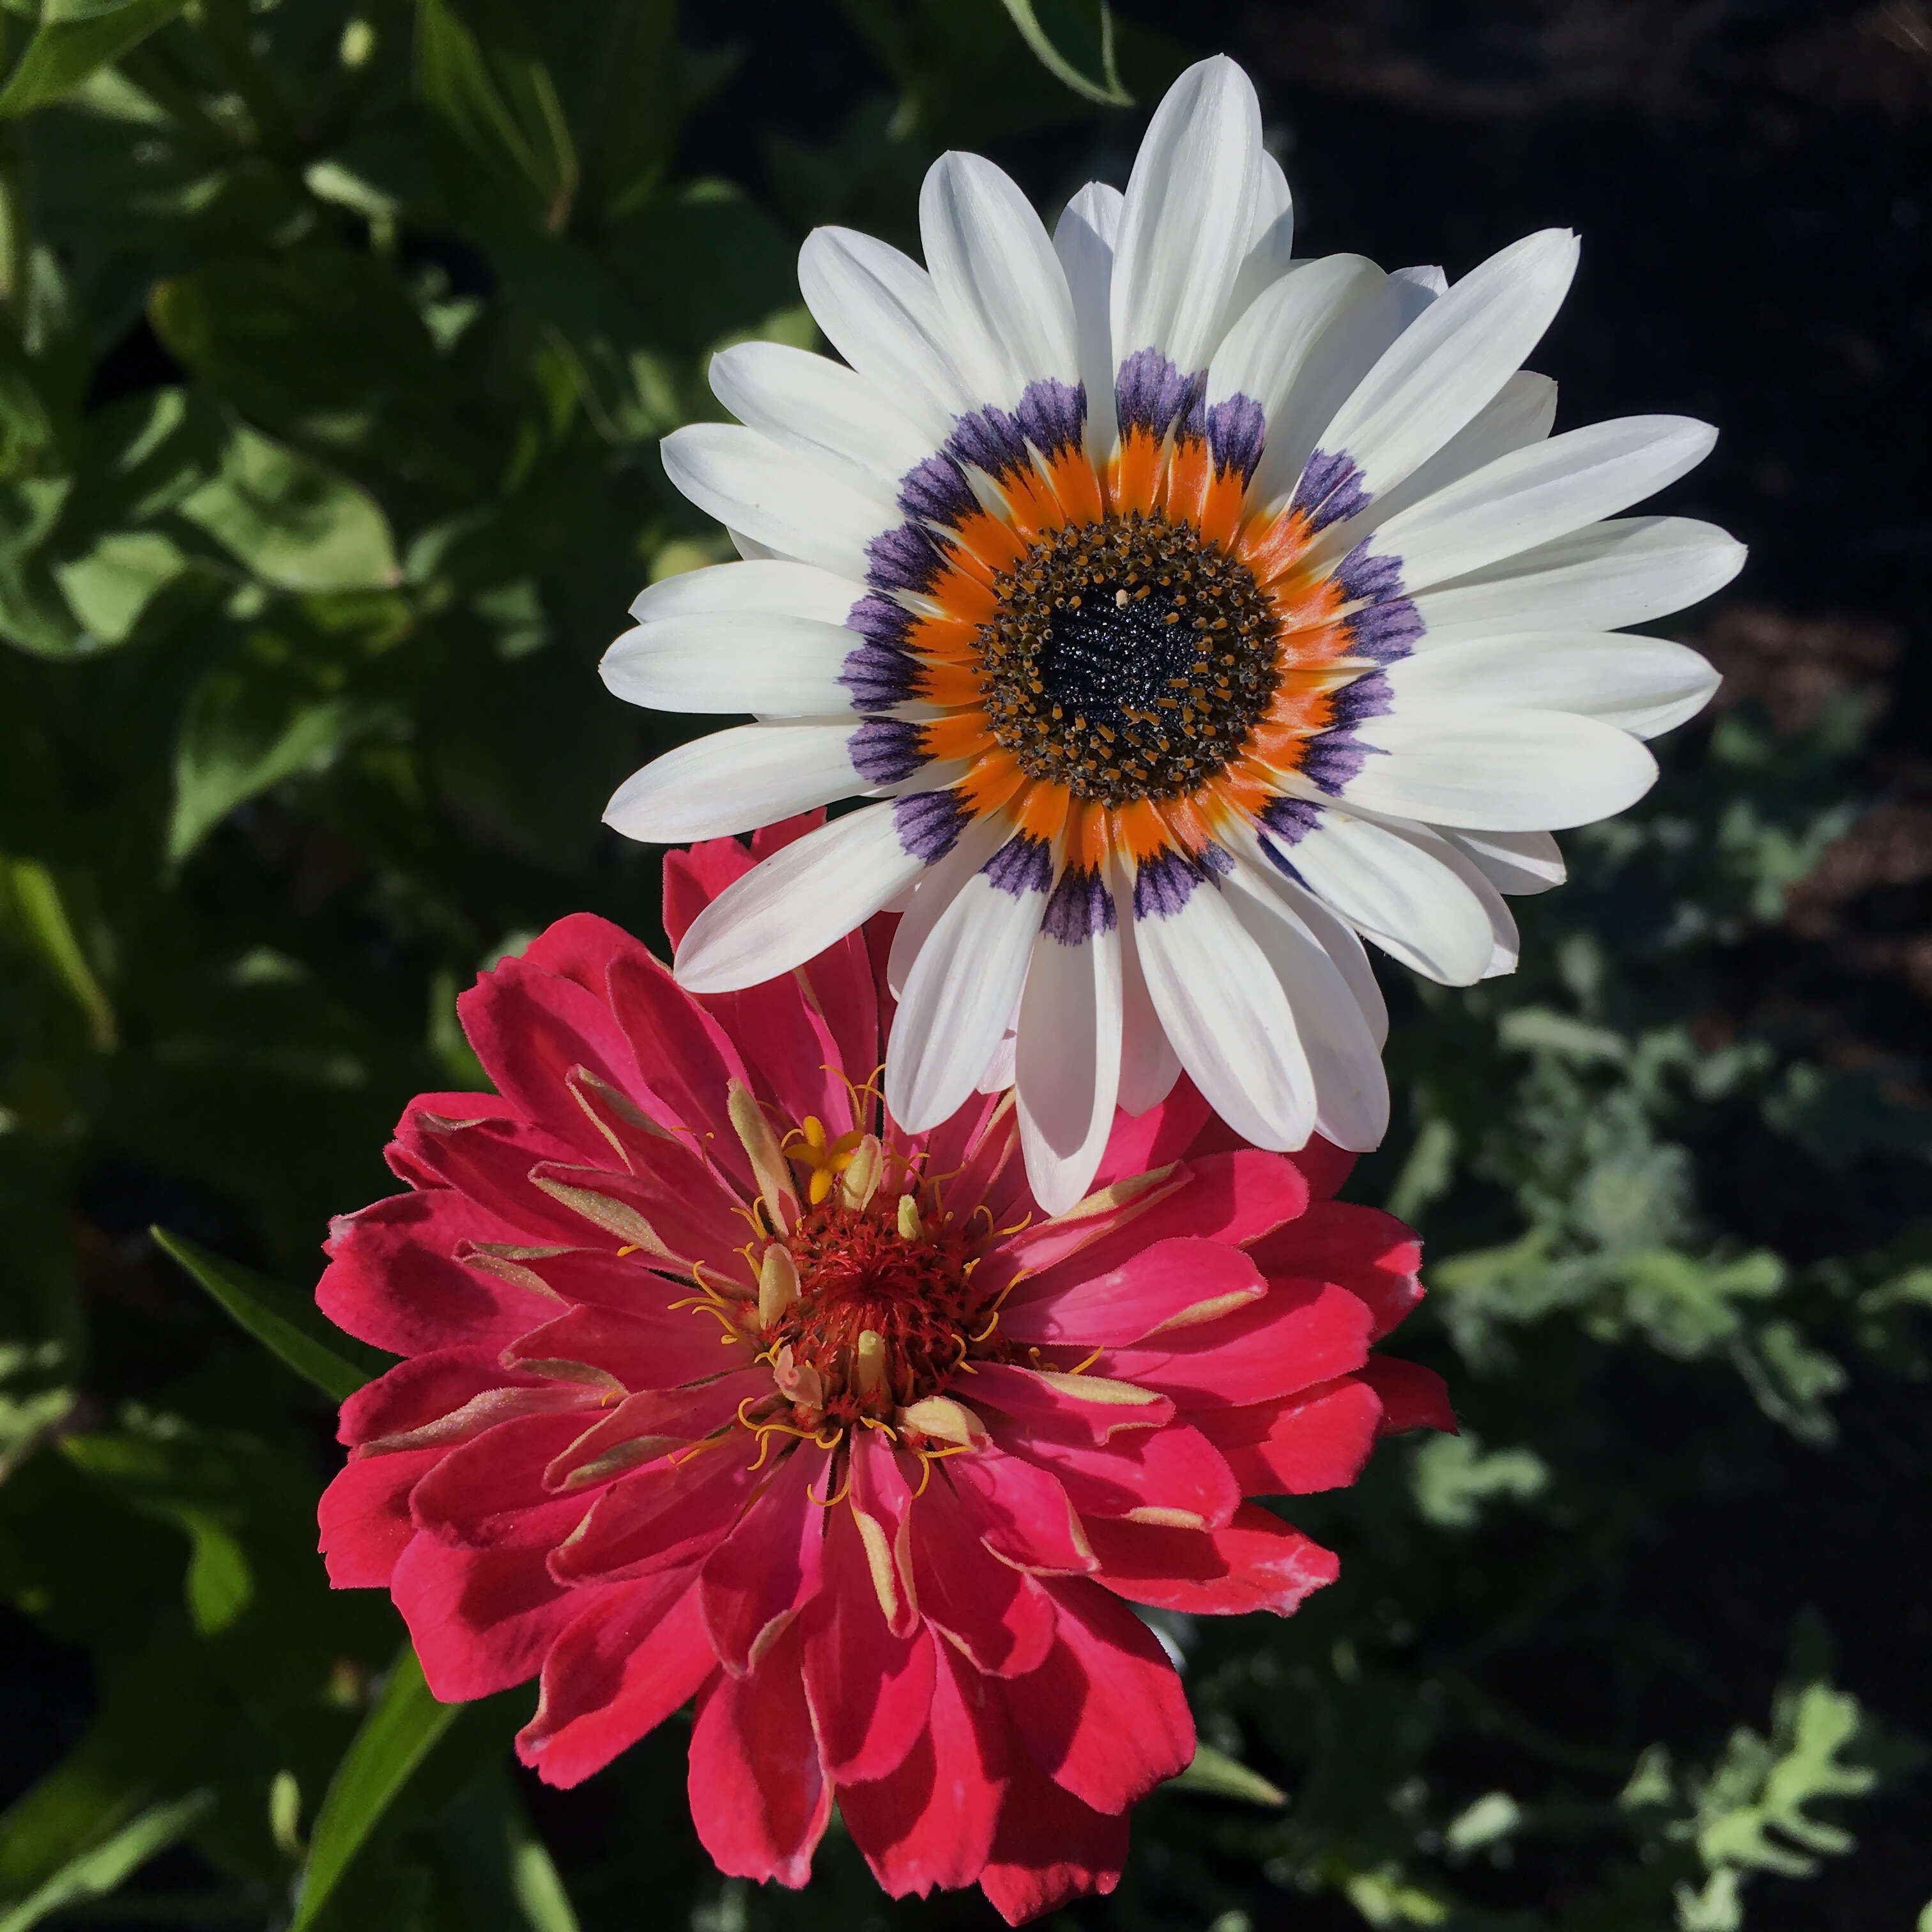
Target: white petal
1521, 412
1231, 1024
1001, 285
1598, 578
959, 998
1393, 890
1643, 685
1343, 945
1149, 1065
1522, 862
777, 497
1452, 359
750, 549
794, 904
777, 667
822, 409
1084, 239
1270, 234
1502, 771
1374, 311
936, 890
1270, 344
878, 308
1539, 492
1352, 1096
779, 589
1067, 1065
735, 780
1000, 1073
1190, 204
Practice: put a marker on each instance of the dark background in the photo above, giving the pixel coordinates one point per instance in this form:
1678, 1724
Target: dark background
1673, 1176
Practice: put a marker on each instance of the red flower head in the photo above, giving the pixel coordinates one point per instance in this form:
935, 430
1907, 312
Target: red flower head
720, 1386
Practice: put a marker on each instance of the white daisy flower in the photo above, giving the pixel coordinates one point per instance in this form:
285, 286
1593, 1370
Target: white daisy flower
1203, 609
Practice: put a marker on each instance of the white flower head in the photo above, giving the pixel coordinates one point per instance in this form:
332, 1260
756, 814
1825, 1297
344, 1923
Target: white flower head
1204, 611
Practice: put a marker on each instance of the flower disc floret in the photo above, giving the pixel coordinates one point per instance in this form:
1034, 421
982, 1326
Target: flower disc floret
885, 1314
1129, 658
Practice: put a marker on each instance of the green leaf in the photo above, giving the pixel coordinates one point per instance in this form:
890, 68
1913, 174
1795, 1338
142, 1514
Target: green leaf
287, 1325
75, 39
274, 707
294, 523
43, 912
395, 1738
1108, 90
97, 1871
1220, 1776
504, 107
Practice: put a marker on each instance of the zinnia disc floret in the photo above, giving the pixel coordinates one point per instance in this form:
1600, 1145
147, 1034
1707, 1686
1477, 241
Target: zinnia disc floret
721, 1386
1190, 613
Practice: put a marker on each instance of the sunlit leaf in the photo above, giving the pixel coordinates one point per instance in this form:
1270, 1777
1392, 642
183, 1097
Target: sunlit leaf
97, 1871
1107, 90
395, 1738
1219, 1775
288, 1325
75, 39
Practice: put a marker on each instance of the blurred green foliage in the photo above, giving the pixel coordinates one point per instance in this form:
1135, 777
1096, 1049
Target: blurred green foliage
335, 343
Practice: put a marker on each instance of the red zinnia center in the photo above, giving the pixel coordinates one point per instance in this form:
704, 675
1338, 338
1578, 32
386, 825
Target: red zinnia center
884, 1316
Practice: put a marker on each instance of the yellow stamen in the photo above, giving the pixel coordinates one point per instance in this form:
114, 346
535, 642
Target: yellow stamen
768, 1162
868, 1369
827, 1159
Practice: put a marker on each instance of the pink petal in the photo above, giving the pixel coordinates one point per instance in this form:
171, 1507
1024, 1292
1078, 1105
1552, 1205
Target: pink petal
1319, 1440
403, 1161
1324, 1166
653, 1423
691, 1217
1257, 1563
687, 1060
789, 1048
1000, 1617
1025, 1517
1371, 1254
620, 1668
844, 987
1141, 1142
424, 1390
363, 1516
931, 1822
581, 947
641, 1349
489, 1493
760, 1576
871, 1692
1412, 1397
1235, 1198
757, 1797
529, 1028
491, 1161
693, 879
393, 1279
1175, 1469
1090, 1408
1104, 1717
783, 832
481, 1620
668, 1514
1300, 1332
1050, 1848
1165, 1284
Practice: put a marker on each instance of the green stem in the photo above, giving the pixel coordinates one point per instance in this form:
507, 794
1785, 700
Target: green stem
16, 218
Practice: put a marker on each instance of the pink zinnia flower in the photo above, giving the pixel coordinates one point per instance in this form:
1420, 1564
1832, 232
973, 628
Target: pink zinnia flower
721, 1386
